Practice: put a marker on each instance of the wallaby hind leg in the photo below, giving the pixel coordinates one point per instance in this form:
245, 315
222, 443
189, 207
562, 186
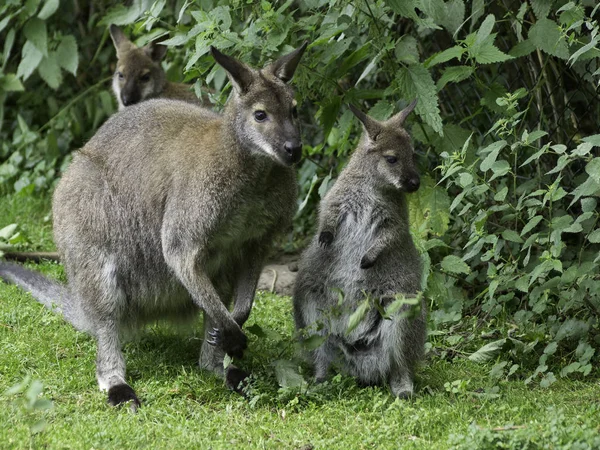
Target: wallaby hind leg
401, 384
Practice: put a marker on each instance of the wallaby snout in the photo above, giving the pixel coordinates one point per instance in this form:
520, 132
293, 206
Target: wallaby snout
293, 150
412, 183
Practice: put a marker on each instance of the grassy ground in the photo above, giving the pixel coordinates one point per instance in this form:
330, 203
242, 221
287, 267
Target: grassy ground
184, 407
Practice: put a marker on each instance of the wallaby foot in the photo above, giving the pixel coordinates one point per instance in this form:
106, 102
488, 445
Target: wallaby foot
233, 342
402, 387
123, 393
236, 379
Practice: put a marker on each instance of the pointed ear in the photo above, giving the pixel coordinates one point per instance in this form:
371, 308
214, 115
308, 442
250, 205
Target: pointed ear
285, 66
398, 119
239, 74
155, 51
120, 41
371, 126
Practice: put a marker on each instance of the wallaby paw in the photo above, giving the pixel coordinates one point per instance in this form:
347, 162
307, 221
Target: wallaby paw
325, 238
232, 343
236, 380
366, 262
121, 394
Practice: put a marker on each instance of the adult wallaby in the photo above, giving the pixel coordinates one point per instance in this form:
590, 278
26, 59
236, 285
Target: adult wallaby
363, 247
171, 208
139, 75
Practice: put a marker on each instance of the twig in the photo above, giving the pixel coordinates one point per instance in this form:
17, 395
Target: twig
274, 280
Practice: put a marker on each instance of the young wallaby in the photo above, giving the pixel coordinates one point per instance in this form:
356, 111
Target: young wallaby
363, 247
139, 75
170, 209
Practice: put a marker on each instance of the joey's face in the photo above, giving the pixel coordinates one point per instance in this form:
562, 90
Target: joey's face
137, 78
394, 157
268, 120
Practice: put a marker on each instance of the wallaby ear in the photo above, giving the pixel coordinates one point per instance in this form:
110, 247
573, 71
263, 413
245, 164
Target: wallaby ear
371, 126
120, 41
239, 74
155, 51
398, 119
285, 66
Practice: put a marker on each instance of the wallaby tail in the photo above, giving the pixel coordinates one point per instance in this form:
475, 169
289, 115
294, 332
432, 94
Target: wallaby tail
49, 293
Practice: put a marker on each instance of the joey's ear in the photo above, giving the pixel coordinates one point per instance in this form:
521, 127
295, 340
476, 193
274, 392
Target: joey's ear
371, 126
120, 41
398, 119
239, 74
155, 51
284, 67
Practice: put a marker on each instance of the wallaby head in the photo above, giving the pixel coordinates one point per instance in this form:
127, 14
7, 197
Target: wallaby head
386, 151
262, 111
139, 74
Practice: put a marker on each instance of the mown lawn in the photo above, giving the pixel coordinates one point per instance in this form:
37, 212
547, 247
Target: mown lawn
184, 407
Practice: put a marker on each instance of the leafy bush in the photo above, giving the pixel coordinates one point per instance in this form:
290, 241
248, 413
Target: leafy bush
507, 215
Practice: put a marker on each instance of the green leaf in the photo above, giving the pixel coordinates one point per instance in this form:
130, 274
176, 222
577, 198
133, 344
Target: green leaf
313, 183
405, 8
49, 70
488, 53
531, 224
512, 236
454, 16
10, 83
221, 16
287, 374
429, 209
48, 9
594, 236
587, 188
30, 59
415, 81
501, 194
358, 315
256, 330
454, 74
454, 264
593, 169
35, 31
541, 8
488, 351
446, 55
485, 29
328, 114
7, 232
66, 54
407, 50
593, 139
121, 15
523, 48
8, 45
493, 150
325, 185
545, 34
313, 342
499, 168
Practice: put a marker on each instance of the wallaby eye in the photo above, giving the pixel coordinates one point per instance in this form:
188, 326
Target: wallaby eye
145, 78
120, 75
391, 159
260, 116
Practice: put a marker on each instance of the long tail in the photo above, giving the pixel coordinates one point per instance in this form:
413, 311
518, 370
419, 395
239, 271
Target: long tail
49, 293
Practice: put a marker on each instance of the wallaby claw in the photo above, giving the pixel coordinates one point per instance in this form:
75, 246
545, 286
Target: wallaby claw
325, 238
215, 335
233, 344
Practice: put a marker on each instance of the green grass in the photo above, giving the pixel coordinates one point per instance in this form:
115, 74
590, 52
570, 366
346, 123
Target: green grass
184, 407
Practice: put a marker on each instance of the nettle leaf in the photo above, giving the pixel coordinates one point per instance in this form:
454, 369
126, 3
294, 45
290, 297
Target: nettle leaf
499, 168
358, 315
488, 351
531, 224
545, 34
454, 16
287, 374
66, 54
485, 29
488, 53
593, 169
454, 264
541, 8
48, 9
329, 113
405, 8
49, 70
593, 139
407, 50
512, 236
445, 56
429, 209
35, 31
382, 110
594, 236
30, 59
588, 188
10, 83
493, 150
454, 74
415, 82
523, 48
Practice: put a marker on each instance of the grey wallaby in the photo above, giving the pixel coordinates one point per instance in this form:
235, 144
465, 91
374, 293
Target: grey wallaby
139, 75
363, 247
170, 209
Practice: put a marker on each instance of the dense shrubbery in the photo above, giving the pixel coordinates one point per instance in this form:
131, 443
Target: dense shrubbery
507, 215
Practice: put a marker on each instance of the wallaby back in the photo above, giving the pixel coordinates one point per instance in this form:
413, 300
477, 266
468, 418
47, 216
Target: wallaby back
363, 247
139, 75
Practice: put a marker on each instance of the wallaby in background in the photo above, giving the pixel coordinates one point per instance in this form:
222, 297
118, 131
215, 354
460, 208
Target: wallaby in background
170, 209
363, 247
139, 75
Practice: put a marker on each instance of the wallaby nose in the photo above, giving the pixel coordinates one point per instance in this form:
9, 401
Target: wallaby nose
293, 150
126, 100
412, 184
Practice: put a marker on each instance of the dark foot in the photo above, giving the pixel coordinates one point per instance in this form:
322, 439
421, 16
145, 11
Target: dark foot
325, 238
233, 343
366, 262
122, 393
236, 380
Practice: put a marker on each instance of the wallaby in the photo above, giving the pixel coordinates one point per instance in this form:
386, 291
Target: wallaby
363, 247
171, 208
139, 75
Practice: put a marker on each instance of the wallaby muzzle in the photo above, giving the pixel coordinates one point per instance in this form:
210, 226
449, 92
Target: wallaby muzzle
412, 183
292, 152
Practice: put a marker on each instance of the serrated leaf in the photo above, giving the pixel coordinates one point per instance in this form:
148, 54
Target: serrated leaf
287, 374
369, 68
35, 31
531, 224
454, 264
545, 34
405, 8
407, 50
485, 29
488, 53
541, 8
499, 169
221, 16
492, 150
593, 169
358, 315
593, 139
415, 82
30, 59
313, 342
429, 209
454, 74
594, 236
501, 194
589, 187
446, 55
477, 9
523, 48
382, 110
560, 164
49, 70
48, 9
121, 15
512, 236
488, 351
66, 54
454, 16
